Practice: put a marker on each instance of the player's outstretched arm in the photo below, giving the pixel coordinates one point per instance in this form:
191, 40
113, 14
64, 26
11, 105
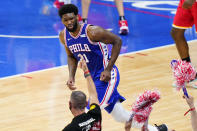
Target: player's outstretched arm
91, 86
98, 34
72, 64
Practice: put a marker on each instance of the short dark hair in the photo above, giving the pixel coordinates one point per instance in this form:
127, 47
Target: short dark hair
78, 100
68, 8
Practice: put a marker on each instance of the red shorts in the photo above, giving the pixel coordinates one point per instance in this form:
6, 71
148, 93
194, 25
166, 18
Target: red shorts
185, 18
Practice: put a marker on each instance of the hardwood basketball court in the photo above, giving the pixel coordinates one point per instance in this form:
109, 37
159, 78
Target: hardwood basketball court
38, 101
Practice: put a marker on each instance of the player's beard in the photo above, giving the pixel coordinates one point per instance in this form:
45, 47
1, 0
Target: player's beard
74, 27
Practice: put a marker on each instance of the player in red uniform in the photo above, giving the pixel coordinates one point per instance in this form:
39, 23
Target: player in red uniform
186, 17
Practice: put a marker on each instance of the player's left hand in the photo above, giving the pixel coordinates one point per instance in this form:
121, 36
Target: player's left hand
188, 4
105, 76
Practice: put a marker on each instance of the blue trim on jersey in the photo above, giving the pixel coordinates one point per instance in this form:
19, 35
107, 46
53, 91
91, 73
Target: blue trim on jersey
115, 96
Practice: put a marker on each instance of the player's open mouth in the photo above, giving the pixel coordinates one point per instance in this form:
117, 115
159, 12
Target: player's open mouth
70, 26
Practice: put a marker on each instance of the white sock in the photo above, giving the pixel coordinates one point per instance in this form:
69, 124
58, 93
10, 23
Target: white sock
122, 115
119, 113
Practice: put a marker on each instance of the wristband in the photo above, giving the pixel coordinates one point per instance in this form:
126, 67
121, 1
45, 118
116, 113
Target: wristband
86, 72
191, 109
86, 75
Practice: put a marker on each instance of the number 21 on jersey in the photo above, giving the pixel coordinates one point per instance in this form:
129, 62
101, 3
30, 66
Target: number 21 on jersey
84, 57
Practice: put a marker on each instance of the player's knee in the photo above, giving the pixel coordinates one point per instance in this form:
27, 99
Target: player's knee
177, 33
173, 33
119, 113
119, 118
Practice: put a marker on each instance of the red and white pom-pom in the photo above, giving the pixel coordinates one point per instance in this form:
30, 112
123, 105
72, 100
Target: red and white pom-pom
143, 105
183, 72
142, 115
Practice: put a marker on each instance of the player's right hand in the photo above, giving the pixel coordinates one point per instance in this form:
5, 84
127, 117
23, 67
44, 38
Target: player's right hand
105, 76
71, 84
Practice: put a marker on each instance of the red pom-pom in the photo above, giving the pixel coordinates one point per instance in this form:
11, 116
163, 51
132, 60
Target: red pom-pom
142, 115
183, 72
143, 105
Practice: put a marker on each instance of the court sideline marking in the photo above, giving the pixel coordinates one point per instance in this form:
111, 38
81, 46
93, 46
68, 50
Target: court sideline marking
35, 37
150, 49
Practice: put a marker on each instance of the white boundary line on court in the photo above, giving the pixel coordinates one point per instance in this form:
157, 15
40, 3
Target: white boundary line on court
34, 37
151, 49
29, 37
